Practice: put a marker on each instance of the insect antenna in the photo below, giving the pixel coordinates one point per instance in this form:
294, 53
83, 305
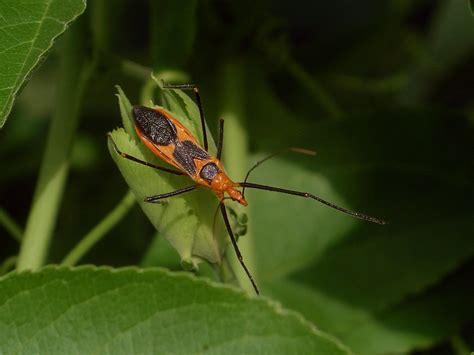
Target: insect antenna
314, 197
220, 141
278, 152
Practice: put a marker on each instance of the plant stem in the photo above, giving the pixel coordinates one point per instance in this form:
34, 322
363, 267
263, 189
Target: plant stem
100, 230
135, 70
322, 97
236, 150
171, 51
8, 264
10, 225
226, 272
147, 92
459, 346
74, 74
327, 103
99, 23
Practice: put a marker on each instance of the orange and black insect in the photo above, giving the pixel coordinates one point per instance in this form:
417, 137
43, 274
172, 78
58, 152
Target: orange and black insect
167, 138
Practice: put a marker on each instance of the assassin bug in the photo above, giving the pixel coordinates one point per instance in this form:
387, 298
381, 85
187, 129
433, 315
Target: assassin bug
172, 142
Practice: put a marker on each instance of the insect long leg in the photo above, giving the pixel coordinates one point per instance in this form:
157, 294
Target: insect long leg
319, 199
214, 220
220, 142
278, 152
157, 198
236, 248
139, 161
199, 103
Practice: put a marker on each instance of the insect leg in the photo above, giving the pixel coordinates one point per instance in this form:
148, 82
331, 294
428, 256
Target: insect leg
157, 198
319, 199
139, 161
236, 248
220, 142
199, 103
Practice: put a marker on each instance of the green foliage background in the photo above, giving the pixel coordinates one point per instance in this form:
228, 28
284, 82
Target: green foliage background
383, 91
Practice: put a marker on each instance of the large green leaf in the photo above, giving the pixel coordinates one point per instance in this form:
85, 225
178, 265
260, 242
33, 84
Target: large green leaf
358, 291
27, 31
400, 263
414, 174
290, 232
419, 321
129, 311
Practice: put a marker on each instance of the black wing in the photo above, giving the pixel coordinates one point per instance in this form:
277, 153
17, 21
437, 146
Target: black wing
154, 125
185, 153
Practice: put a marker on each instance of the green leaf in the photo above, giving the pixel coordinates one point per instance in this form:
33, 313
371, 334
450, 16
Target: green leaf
415, 174
452, 35
419, 321
186, 221
126, 114
330, 313
399, 264
161, 253
471, 6
28, 30
290, 232
449, 44
131, 311
176, 221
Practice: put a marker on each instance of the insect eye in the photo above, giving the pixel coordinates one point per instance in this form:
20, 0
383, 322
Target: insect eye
208, 171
